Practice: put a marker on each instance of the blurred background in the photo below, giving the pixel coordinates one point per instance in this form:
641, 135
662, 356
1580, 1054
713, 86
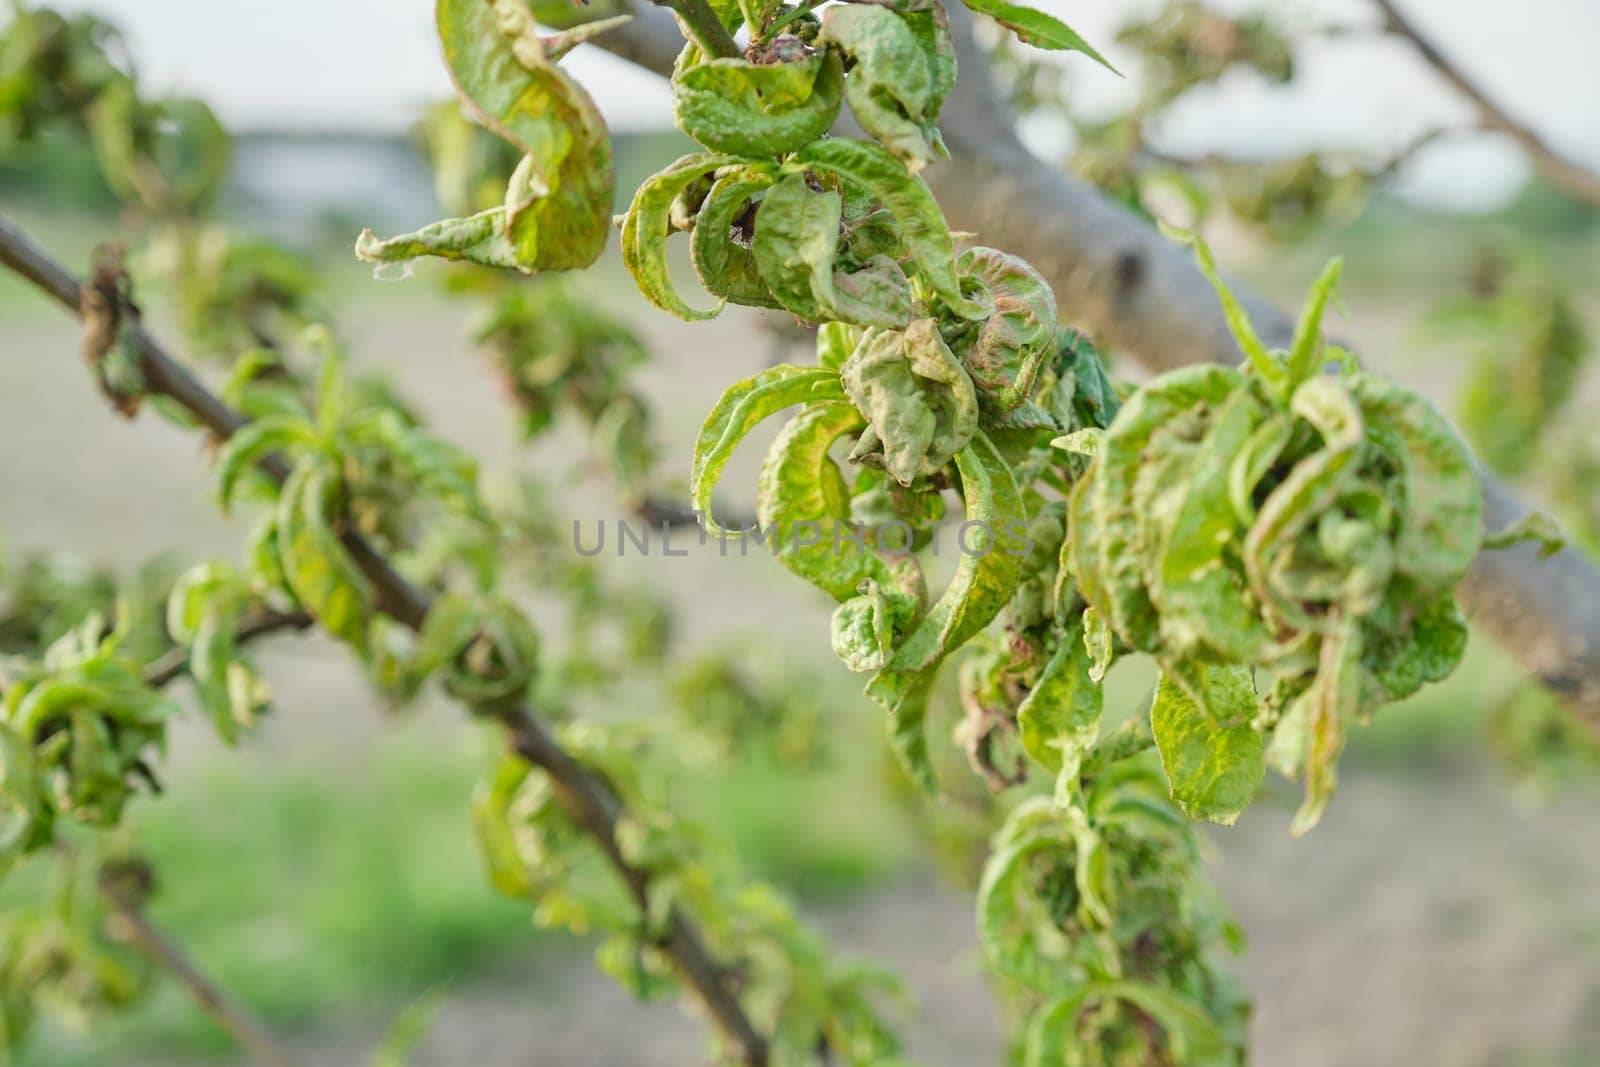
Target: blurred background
1447, 910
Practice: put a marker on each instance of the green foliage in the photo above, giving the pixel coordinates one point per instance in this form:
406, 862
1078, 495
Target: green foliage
1099, 915
1035, 28
168, 155
1527, 347
558, 200
1308, 527
1285, 542
1186, 44
58, 954
534, 851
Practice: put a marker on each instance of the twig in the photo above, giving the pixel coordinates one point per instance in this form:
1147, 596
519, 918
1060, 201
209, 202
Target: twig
587, 796
134, 926
1577, 180
169, 665
702, 24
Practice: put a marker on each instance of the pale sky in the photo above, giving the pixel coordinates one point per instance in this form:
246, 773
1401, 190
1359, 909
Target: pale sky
375, 63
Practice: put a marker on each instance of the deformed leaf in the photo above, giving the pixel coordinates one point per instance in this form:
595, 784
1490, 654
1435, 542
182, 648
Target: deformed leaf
1007, 349
1441, 518
648, 223
558, 202
316, 565
1212, 755
723, 259
759, 110
1535, 527
1060, 718
742, 407
896, 84
919, 402
252, 443
908, 200
803, 504
982, 585
796, 250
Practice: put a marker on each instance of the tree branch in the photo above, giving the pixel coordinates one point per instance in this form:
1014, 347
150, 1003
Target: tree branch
133, 926
588, 797
1572, 177
1143, 296
175, 662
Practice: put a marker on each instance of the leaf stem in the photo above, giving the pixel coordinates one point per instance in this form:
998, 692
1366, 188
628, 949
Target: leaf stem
702, 26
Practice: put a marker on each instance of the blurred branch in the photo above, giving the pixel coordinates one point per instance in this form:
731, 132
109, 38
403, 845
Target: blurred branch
1572, 177
588, 797
1142, 295
133, 926
175, 662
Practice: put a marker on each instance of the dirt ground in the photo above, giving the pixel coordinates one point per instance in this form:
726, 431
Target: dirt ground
1428, 921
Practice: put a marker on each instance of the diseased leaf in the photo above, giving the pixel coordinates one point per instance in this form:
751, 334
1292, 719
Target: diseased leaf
982, 585
252, 443
316, 566
897, 83
1441, 516
908, 200
1535, 527
648, 223
483, 239
1203, 598
1212, 755
918, 401
1325, 708
1310, 488
741, 408
755, 109
558, 202
722, 259
796, 250
804, 506
864, 627
1112, 578
1405, 645
1006, 351
1060, 718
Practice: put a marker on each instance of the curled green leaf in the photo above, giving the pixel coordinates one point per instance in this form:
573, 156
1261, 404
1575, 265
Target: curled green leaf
741, 408
898, 78
557, 207
316, 566
1005, 352
721, 255
984, 580
918, 401
648, 223
908, 201
1060, 719
796, 250
756, 109
804, 506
